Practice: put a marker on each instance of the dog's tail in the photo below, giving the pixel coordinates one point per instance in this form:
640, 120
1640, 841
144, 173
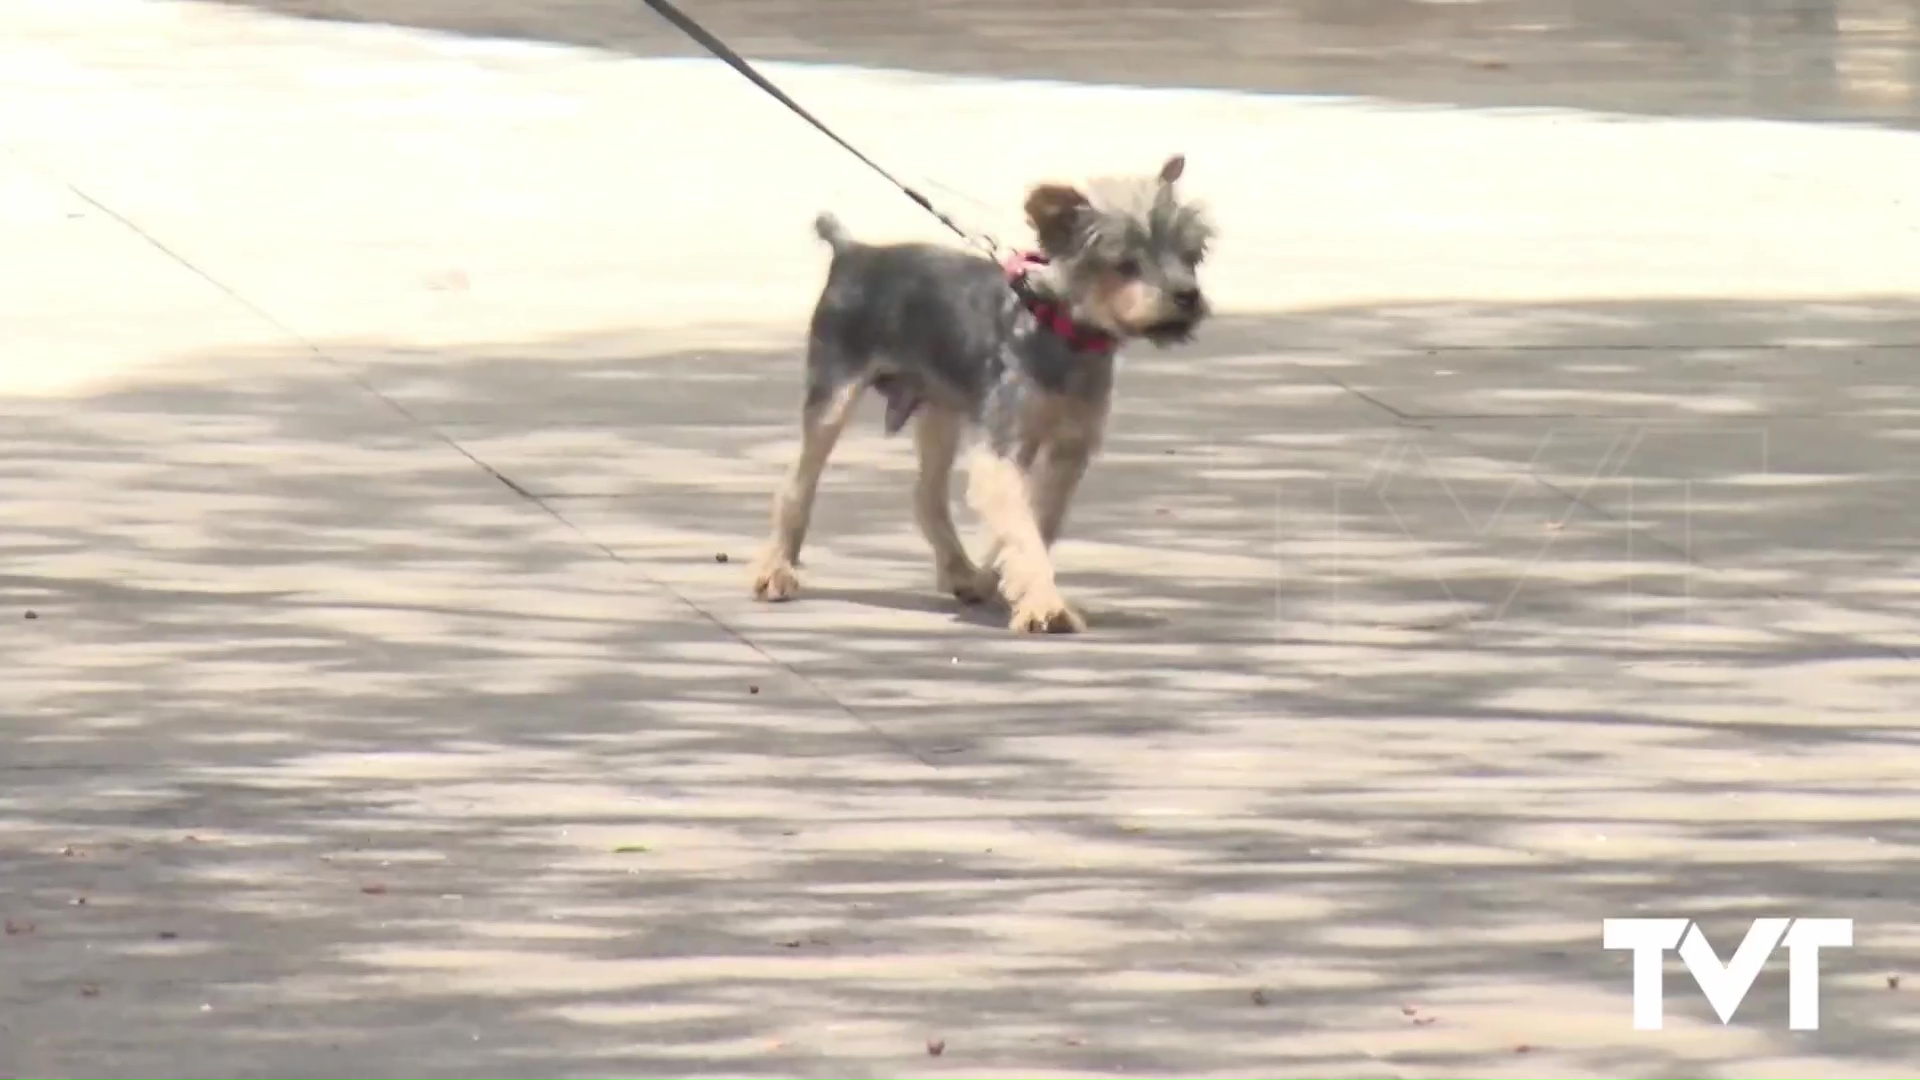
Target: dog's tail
834, 233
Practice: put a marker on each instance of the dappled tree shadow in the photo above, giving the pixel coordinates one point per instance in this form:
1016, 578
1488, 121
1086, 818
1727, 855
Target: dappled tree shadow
1425, 638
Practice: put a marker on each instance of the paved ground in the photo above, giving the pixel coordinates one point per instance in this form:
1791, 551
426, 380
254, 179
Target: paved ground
1824, 59
1528, 544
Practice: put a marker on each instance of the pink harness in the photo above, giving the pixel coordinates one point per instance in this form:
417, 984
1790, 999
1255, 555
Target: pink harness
1052, 314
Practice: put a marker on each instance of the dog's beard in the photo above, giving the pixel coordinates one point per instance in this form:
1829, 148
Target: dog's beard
1170, 331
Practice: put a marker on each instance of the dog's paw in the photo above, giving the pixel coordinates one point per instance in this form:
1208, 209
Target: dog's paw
776, 581
1046, 615
968, 584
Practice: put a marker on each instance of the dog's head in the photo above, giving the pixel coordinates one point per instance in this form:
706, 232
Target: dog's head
1126, 252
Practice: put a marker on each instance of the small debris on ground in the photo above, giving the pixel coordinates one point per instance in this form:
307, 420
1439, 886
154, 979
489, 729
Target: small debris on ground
753, 689
89, 990
936, 1047
632, 849
1259, 995
719, 556
32, 614
1893, 982
79, 901
1523, 1048
168, 935
375, 889
20, 926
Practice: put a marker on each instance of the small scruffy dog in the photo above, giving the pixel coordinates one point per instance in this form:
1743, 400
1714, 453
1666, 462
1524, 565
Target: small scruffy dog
1021, 354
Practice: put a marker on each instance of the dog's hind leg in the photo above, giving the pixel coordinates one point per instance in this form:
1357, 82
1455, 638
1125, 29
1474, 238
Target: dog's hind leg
1000, 493
823, 417
936, 435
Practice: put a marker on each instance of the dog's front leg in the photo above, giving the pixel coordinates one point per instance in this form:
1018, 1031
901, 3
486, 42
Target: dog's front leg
1052, 482
1001, 493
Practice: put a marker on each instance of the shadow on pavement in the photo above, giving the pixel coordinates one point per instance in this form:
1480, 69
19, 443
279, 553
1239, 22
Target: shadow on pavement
1426, 638
1855, 60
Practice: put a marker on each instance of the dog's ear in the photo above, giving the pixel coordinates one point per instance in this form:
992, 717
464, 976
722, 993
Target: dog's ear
1173, 169
1054, 212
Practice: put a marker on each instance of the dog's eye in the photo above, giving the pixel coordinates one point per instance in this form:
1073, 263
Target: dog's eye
1128, 267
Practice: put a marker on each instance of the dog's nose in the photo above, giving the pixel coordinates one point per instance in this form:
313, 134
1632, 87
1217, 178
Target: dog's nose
1187, 299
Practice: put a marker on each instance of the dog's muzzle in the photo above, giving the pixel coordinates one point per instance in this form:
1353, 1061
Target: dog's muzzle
1170, 331
1190, 308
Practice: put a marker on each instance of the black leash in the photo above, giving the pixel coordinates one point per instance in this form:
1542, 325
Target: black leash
739, 63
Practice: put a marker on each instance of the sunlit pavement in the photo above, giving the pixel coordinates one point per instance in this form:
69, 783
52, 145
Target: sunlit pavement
390, 416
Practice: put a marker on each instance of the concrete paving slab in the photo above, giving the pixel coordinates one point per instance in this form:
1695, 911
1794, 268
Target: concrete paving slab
386, 711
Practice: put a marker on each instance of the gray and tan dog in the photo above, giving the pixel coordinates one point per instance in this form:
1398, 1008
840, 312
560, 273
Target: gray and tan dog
1022, 355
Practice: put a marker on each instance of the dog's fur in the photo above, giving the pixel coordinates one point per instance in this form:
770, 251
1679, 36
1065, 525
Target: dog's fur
941, 335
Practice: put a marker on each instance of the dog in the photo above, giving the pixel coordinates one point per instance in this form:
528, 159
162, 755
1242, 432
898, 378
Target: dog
1021, 356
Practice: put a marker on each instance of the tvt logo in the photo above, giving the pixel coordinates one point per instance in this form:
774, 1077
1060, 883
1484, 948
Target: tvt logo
1726, 985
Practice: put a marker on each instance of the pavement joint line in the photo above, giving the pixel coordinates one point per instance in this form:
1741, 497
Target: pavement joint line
1578, 499
542, 503
1685, 555
320, 355
1379, 403
341, 368
158, 245
1426, 422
